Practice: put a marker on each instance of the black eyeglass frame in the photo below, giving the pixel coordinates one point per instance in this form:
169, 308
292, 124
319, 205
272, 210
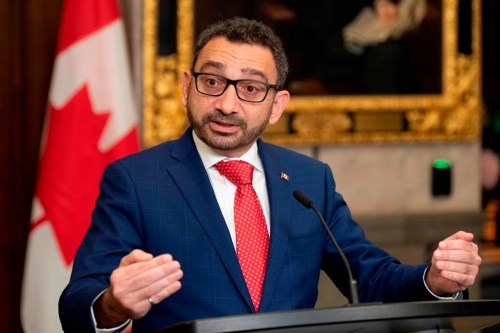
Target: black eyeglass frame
234, 83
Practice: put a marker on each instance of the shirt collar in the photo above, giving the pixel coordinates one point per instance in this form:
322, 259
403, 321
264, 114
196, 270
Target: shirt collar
209, 157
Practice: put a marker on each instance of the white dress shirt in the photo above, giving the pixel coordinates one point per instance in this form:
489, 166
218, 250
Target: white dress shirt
225, 190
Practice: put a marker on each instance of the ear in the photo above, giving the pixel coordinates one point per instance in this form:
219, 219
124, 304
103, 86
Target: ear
186, 84
280, 102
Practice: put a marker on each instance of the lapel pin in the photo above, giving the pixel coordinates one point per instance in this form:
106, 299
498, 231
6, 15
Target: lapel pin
284, 176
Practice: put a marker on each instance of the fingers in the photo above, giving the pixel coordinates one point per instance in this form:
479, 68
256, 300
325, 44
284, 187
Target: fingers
134, 257
455, 263
144, 275
159, 282
141, 276
455, 250
163, 292
138, 262
458, 251
461, 274
466, 236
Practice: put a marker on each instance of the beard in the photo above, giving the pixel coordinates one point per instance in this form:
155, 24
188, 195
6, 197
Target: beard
226, 141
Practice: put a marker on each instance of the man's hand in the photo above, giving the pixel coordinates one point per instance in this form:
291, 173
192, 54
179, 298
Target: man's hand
140, 281
455, 264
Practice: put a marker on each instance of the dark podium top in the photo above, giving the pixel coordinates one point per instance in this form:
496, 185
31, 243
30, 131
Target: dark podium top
435, 316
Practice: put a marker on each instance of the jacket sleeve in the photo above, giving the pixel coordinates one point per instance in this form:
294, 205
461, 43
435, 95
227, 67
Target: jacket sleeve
113, 233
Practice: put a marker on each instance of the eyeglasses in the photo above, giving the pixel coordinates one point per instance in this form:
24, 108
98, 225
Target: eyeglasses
246, 90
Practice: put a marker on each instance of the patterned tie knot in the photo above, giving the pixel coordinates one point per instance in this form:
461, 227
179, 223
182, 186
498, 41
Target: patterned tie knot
238, 172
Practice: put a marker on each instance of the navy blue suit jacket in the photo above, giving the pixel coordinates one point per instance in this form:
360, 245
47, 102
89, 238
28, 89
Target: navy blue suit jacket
160, 200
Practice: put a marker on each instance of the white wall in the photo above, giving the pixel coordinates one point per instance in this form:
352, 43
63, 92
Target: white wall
387, 179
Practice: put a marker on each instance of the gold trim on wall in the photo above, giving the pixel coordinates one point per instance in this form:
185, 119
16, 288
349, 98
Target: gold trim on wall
452, 115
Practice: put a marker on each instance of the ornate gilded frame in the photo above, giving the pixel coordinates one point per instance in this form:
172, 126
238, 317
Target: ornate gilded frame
452, 115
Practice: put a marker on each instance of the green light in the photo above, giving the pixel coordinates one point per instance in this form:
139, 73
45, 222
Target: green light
441, 164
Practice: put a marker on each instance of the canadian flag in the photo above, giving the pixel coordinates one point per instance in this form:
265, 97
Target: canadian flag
91, 121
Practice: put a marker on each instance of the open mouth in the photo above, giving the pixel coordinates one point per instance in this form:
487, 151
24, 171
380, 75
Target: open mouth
224, 127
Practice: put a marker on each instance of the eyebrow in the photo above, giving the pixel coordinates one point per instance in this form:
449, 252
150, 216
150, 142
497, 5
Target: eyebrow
252, 71
220, 66
212, 64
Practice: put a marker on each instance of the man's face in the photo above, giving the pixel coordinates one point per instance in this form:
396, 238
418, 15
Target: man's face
387, 12
226, 123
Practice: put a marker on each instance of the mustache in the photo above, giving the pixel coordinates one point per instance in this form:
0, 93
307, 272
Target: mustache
218, 117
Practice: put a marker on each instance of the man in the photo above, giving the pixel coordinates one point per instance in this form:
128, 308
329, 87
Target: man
174, 212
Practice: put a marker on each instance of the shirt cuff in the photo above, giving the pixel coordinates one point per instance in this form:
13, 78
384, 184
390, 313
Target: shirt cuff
117, 329
449, 297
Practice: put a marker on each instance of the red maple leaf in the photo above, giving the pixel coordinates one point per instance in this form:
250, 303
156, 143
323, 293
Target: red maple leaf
71, 168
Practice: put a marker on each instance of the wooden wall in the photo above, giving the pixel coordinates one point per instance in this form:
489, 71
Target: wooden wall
27, 45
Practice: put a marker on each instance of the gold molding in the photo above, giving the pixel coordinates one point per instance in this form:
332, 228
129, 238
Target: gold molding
453, 115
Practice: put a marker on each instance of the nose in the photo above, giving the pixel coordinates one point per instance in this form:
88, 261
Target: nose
228, 101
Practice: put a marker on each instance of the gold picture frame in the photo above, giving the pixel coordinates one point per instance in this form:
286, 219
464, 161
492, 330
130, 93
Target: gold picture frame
452, 115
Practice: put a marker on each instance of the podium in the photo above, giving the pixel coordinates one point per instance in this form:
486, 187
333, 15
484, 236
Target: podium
435, 316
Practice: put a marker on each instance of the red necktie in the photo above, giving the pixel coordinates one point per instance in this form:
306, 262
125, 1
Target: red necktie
252, 238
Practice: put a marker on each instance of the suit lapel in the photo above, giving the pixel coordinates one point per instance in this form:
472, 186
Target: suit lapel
279, 188
192, 180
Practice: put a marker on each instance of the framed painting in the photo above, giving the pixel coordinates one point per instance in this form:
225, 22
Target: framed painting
418, 84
